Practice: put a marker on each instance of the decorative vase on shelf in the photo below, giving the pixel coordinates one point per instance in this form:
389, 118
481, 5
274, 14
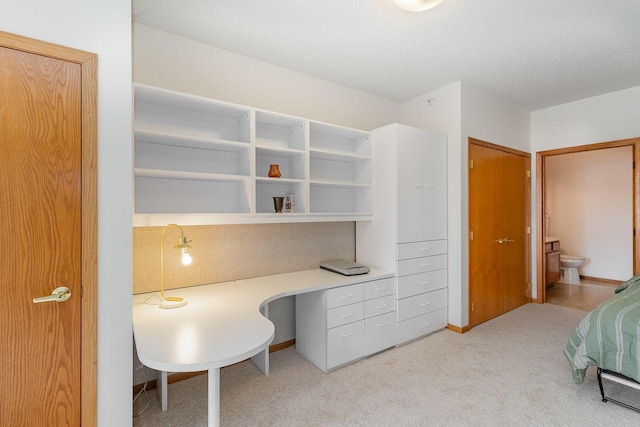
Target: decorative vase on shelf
274, 171
277, 204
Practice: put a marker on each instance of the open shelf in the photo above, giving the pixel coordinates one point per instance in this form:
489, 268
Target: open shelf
174, 153
338, 139
292, 163
167, 195
202, 161
279, 131
347, 199
162, 110
266, 190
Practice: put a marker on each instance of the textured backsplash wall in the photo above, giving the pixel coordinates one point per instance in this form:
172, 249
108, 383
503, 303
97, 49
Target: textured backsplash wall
229, 252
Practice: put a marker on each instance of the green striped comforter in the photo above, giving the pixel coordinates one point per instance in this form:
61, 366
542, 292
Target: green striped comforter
609, 336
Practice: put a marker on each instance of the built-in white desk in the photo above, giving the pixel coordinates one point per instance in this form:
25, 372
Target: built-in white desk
222, 324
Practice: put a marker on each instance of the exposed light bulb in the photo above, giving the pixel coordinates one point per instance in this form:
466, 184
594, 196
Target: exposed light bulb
186, 258
417, 5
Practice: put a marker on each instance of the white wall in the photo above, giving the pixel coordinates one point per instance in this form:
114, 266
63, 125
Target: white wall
608, 117
102, 27
589, 202
166, 60
462, 111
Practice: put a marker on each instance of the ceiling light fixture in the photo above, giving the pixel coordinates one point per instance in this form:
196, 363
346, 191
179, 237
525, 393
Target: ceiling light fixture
417, 5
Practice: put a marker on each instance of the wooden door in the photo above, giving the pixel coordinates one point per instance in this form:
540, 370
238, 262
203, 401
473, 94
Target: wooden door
47, 239
486, 288
514, 223
498, 249
411, 165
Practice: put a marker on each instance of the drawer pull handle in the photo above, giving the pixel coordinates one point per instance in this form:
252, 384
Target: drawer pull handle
424, 283
381, 289
425, 325
346, 296
383, 324
424, 304
424, 249
424, 265
348, 334
346, 315
378, 307
419, 186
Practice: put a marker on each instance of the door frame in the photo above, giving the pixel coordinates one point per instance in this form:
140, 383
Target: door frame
89, 246
527, 156
540, 223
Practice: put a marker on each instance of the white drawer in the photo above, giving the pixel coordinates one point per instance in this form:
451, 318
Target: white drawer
345, 295
380, 332
345, 344
415, 284
421, 304
379, 288
421, 325
420, 249
346, 314
378, 306
421, 265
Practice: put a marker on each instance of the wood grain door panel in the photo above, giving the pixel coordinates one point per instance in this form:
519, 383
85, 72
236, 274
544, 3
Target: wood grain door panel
498, 191
514, 222
40, 198
485, 253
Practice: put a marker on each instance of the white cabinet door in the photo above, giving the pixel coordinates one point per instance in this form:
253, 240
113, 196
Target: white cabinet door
435, 188
411, 164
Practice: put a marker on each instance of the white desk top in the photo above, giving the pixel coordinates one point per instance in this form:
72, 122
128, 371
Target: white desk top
221, 324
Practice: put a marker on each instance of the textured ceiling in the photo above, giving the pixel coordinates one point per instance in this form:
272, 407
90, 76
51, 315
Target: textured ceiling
535, 53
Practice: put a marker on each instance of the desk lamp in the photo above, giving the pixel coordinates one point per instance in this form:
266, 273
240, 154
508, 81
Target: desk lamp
183, 245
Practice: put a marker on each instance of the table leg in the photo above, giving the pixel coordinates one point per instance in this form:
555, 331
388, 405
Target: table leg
214, 398
161, 388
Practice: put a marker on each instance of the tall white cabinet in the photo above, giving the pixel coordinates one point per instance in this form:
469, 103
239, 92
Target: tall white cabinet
408, 234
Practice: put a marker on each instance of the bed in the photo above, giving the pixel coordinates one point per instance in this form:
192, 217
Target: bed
609, 338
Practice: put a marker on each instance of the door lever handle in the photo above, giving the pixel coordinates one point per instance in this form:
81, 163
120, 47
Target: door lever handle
499, 241
507, 240
58, 295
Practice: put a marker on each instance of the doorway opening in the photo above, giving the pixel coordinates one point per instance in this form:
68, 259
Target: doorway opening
543, 224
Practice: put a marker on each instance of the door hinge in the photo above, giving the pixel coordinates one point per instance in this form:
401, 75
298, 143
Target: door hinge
528, 174
471, 235
528, 230
471, 164
473, 307
529, 286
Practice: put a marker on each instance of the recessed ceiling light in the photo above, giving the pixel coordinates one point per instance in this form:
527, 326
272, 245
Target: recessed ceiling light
417, 5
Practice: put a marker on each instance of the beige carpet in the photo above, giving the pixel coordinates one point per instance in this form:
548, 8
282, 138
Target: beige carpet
509, 371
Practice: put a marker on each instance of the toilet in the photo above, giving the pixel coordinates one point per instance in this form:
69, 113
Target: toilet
569, 265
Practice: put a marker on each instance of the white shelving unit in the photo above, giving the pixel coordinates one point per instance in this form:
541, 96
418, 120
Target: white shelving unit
203, 161
340, 170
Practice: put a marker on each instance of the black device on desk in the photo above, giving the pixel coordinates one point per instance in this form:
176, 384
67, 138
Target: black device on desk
346, 268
